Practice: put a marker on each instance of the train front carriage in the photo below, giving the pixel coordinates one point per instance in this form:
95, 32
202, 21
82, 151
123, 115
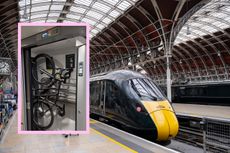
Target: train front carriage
135, 102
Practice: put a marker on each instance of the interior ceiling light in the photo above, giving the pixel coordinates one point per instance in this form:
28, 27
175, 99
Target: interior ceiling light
188, 32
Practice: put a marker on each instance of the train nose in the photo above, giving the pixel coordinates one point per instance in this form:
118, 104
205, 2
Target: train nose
166, 124
164, 119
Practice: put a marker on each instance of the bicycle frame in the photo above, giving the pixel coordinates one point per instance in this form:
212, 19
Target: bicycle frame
45, 97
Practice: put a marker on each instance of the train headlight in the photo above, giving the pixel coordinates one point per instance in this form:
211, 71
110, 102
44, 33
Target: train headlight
138, 109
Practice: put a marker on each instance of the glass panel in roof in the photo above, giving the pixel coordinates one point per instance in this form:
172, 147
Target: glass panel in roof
228, 19
94, 14
51, 20
84, 2
39, 1
195, 24
56, 7
198, 32
38, 16
22, 3
69, 21
226, 8
38, 20
112, 2
22, 11
54, 14
90, 35
77, 9
40, 8
223, 25
76, 17
114, 13
208, 28
59, 0
218, 14
89, 21
107, 20
102, 7
124, 5
100, 26
210, 20
23, 20
94, 31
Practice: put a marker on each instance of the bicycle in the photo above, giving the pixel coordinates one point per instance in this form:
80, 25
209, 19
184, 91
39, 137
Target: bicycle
46, 91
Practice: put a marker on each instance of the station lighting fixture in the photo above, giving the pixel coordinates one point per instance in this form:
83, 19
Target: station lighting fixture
218, 53
188, 32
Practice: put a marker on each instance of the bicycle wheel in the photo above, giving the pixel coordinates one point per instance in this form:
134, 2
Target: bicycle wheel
43, 116
40, 70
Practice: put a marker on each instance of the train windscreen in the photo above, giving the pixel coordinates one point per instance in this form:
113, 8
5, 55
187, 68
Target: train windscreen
146, 90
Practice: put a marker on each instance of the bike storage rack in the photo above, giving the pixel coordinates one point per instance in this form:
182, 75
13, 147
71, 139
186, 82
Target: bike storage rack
54, 78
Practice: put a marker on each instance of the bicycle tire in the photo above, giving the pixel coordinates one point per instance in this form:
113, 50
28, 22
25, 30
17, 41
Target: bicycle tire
34, 66
36, 106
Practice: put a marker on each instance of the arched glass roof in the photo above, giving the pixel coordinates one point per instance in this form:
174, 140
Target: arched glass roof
213, 17
98, 13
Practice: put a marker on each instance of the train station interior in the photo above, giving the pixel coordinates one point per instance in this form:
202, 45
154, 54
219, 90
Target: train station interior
159, 76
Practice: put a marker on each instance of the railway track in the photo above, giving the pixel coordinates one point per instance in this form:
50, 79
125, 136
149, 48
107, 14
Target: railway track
212, 135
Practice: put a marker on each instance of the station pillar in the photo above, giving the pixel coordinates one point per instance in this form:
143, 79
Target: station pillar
168, 54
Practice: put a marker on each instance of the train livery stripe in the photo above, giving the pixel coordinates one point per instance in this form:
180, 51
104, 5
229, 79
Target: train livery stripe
163, 117
114, 141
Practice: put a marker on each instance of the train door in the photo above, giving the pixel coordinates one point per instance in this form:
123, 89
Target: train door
102, 97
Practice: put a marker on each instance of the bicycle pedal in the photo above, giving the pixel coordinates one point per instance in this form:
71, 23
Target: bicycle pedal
61, 112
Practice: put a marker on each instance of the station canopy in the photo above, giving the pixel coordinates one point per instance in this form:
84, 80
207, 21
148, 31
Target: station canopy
134, 33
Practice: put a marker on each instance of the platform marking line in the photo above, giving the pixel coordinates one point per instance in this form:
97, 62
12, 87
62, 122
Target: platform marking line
93, 121
114, 141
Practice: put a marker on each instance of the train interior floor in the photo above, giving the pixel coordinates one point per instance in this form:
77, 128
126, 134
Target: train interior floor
66, 122
202, 110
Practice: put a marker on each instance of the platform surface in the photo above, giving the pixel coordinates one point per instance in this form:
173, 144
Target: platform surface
101, 139
203, 110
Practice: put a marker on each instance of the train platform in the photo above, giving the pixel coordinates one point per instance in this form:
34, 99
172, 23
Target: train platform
221, 112
101, 137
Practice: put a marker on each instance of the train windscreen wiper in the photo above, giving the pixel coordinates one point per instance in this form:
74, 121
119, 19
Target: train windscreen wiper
153, 90
148, 92
134, 88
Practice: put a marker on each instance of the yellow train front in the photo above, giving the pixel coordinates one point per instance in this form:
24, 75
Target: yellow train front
134, 102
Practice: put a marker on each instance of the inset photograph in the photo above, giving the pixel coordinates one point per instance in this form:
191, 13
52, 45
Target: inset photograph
54, 78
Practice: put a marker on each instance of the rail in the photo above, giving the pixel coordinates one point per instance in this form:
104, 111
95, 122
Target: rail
211, 134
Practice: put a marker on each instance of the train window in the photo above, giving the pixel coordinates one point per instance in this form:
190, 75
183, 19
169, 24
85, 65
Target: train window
95, 93
113, 95
146, 89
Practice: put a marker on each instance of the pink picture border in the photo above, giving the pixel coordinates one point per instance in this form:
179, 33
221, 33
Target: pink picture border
20, 89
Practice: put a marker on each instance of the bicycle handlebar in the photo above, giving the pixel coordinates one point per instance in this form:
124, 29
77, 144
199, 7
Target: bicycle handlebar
63, 75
